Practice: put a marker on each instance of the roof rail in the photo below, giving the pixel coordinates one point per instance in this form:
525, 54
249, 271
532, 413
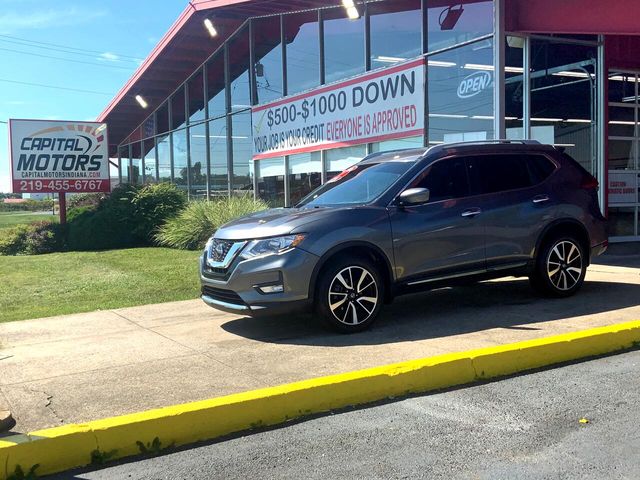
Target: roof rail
489, 142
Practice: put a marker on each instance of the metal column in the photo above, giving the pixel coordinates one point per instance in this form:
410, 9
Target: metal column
499, 127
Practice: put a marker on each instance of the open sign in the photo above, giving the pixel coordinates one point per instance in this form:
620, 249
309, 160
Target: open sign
473, 84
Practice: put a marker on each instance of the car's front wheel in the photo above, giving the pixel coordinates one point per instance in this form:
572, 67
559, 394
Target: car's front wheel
350, 294
560, 267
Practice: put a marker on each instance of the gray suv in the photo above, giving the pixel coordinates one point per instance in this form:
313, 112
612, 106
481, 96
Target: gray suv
403, 221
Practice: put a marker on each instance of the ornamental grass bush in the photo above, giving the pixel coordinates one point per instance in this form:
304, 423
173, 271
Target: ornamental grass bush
192, 228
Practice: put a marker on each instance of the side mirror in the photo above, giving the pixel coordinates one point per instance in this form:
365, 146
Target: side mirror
413, 196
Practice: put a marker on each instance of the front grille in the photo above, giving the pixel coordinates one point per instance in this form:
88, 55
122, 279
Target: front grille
222, 295
219, 249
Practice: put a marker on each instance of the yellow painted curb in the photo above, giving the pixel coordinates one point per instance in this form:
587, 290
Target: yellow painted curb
70, 446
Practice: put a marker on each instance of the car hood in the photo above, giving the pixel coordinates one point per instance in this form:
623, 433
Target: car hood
271, 223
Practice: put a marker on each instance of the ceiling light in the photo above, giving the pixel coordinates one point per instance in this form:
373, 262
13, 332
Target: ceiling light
440, 63
578, 120
348, 4
572, 74
383, 59
477, 66
447, 115
483, 117
514, 69
544, 119
622, 122
210, 28
352, 13
141, 101
564, 144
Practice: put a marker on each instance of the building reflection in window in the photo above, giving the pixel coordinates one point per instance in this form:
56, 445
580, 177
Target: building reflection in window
270, 176
304, 175
340, 159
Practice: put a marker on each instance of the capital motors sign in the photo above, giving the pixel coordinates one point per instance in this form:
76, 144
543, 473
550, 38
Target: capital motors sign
51, 156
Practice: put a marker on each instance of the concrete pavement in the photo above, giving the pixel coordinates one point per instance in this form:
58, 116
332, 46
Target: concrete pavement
81, 367
525, 427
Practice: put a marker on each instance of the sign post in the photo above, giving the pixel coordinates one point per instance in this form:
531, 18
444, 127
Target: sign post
52, 156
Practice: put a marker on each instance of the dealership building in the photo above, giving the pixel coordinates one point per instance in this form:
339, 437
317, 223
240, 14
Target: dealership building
274, 97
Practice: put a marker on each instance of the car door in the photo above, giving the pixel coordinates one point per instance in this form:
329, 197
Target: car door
444, 236
516, 204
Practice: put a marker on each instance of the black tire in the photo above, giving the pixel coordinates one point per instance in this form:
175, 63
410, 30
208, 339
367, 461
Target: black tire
560, 267
350, 295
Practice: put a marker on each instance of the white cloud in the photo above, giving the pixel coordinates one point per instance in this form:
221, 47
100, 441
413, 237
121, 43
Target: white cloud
111, 57
40, 18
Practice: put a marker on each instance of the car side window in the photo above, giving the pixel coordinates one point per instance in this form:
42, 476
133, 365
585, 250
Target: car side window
445, 179
540, 168
499, 173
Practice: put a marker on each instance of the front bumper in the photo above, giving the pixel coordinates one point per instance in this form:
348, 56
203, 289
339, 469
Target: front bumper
237, 289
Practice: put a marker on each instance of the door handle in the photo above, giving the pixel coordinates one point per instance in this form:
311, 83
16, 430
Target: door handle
472, 212
541, 199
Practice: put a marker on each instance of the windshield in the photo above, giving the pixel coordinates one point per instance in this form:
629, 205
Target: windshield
361, 183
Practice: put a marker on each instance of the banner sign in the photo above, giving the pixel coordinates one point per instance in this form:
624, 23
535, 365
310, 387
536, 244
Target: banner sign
378, 106
623, 187
51, 156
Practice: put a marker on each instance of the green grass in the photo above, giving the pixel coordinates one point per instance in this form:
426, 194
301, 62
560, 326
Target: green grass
61, 283
10, 219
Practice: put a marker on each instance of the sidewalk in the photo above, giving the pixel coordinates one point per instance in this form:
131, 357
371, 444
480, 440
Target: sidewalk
87, 366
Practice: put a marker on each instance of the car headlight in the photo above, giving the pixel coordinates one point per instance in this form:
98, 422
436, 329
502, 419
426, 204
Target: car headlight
269, 246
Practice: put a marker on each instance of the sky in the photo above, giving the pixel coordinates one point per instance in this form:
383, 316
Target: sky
89, 47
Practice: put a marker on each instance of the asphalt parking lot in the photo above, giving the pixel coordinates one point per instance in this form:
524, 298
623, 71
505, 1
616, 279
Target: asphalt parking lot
83, 367
525, 427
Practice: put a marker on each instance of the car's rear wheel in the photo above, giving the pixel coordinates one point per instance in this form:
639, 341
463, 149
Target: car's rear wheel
350, 294
560, 267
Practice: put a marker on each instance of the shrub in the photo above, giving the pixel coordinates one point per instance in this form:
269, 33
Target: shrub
195, 224
127, 218
91, 200
32, 239
12, 240
44, 237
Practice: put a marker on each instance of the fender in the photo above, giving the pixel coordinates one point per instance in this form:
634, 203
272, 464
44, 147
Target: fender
555, 223
345, 246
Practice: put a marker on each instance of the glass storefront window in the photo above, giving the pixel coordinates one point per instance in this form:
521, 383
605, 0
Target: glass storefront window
270, 175
303, 51
451, 22
162, 118
195, 89
397, 144
514, 87
396, 31
242, 152
339, 159
622, 121
239, 71
460, 91
149, 154
340, 31
164, 158
218, 152
304, 175
124, 163
148, 127
622, 221
180, 158
622, 154
136, 172
198, 146
178, 117
563, 95
623, 88
215, 85
268, 57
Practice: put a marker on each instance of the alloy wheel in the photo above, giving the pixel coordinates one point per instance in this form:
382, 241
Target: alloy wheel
353, 295
564, 265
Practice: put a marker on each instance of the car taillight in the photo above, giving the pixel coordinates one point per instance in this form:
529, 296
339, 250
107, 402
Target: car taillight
590, 183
